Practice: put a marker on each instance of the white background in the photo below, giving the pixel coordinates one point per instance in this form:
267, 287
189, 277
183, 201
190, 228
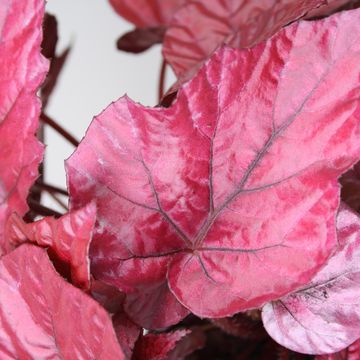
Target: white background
96, 74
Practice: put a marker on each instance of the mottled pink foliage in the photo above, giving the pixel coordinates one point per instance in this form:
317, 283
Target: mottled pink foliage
324, 316
22, 69
227, 199
44, 317
201, 26
68, 237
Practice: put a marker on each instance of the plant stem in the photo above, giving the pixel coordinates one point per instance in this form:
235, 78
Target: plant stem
42, 210
52, 188
162, 79
52, 123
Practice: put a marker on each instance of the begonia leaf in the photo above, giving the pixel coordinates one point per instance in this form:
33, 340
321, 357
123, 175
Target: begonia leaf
22, 70
350, 353
201, 26
68, 237
44, 317
147, 13
229, 196
323, 317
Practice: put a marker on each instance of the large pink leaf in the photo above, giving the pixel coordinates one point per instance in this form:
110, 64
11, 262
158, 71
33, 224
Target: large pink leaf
44, 317
324, 317
68, 238
22, 69
350, 353
230, 194
147, 13
201, 26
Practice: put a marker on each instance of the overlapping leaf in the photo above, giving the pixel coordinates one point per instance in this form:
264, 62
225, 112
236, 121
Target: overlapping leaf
201, 26
147, 13
68, 238
22, 70
44, 317
230, 195
150, 17
324, 317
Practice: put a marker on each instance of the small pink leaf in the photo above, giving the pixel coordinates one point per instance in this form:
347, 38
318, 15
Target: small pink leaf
201, 26
44, 317
147, 13
229, 196
68, 237
22, 69
323, 317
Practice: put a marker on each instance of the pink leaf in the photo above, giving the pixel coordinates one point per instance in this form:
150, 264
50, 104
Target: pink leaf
201, 26
147, 13
350, 353
324, 317
229, 196
22, 69
44, 317
68, 238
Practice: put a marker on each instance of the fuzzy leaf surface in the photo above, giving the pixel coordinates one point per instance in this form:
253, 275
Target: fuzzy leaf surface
201, 26
229, 196
324, 317
44, 317
68, 238
22, 70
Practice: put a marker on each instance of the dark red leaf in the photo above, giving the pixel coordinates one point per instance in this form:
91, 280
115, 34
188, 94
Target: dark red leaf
167, 346
22, 70
201, 26
350, 187
230, 194
127, 333
324, 317
68, 237
332, 7
44, 317
140, 39
147, 13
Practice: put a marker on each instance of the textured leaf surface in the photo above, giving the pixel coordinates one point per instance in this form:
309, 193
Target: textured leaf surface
230, 194
68, 237
147, 13
44, 317
22, 69
324, 317
201, 26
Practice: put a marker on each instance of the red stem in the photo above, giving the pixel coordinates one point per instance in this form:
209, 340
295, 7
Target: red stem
52, 188
47, 120
162, 79
42, 210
